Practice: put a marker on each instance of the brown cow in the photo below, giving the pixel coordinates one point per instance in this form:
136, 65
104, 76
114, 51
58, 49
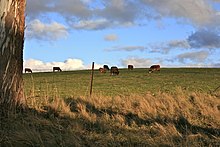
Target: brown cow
114, 70
102, 70
130, 67
27, 70
154, 68
56, 69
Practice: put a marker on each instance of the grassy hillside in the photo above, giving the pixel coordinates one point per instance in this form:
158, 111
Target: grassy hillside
138, 81
176, 107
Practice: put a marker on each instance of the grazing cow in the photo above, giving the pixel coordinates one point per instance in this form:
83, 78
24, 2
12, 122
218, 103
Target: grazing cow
56, 69
130, 67
154, 68
106, 67
114, 70
102, 70
27, 70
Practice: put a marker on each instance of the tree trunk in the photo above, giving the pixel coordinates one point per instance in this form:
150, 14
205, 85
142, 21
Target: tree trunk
12, 25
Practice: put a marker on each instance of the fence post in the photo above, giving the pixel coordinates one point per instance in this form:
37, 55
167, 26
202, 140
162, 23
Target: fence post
91, 82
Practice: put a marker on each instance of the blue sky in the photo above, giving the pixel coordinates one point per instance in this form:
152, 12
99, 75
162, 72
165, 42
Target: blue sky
74, 33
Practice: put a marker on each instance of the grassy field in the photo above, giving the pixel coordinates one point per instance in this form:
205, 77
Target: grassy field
173, 107
77, 83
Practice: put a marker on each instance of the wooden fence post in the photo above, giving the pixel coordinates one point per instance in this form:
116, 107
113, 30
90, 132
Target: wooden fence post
91, 82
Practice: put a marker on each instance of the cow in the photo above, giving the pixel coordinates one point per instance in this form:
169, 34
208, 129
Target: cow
56, 69
27, 70
114, 71
106, 67
102, 70
130, 67
154, 68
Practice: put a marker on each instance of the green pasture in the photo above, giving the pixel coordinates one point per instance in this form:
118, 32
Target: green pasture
138, 81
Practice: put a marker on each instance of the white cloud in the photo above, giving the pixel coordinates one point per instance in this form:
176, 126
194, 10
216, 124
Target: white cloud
166, 47
203, 65
178, 44
40, 66
199, 56
92, 24
67, 65
199, 12
67, 8
99, 24
111, 37
137, 62
38, 30
122, 11
126, 48
198, 59
96, 66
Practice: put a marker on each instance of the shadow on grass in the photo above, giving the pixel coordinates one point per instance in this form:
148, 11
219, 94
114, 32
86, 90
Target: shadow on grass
48, 128
32, 127
181, 123
185, 128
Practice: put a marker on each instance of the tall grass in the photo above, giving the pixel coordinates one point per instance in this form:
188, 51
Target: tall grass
178, 117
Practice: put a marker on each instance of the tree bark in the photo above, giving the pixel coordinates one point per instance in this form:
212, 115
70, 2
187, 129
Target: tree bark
12, 25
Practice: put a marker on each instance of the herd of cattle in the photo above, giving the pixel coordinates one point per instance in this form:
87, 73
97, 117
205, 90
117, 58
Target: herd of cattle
113, 70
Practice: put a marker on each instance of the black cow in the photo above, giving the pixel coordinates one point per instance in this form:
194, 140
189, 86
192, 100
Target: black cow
114, 70
56, 69
154, 68
106, 67
130, 67
27, 70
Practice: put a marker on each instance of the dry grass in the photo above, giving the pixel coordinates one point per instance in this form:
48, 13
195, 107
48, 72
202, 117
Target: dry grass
132, 109
179, 118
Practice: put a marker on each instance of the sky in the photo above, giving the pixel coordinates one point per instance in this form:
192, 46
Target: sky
72, 34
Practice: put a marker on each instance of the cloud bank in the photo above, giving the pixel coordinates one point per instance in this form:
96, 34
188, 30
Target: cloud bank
67, 65
198, 12
199, 56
